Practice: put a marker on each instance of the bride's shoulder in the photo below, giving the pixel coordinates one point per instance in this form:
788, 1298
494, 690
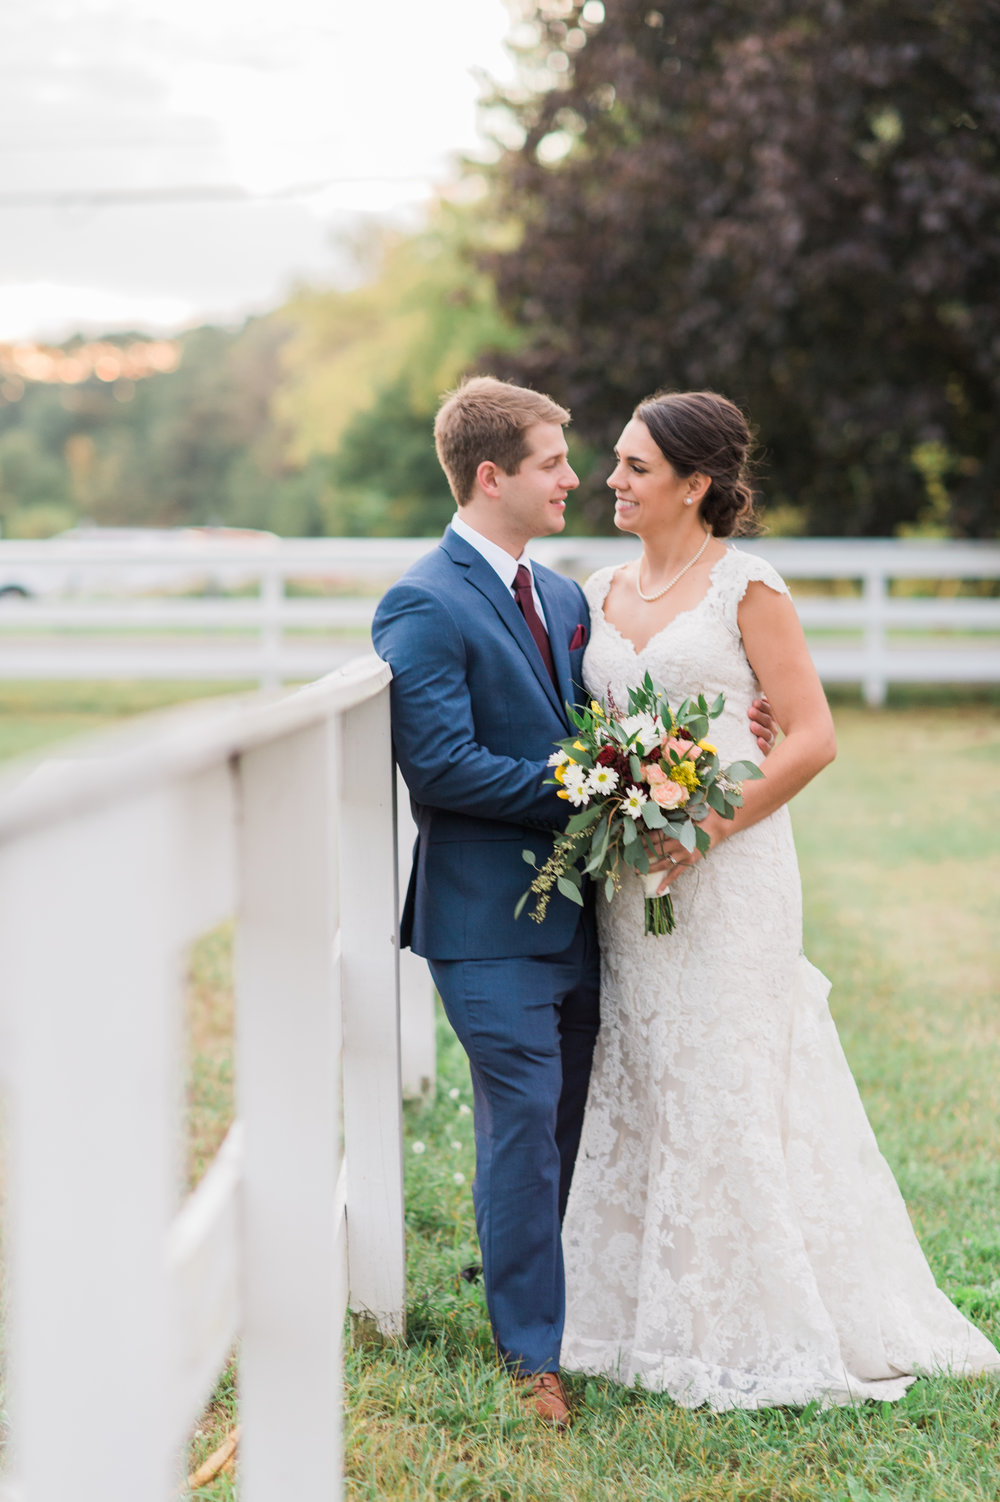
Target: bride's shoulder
740, 568
597, 586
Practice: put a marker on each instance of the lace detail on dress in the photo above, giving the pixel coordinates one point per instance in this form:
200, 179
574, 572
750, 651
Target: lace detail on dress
730, 579
734, 1237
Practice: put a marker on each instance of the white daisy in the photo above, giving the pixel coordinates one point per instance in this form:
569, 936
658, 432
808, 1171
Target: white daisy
602, 780
647, 729
557, 758
633, 801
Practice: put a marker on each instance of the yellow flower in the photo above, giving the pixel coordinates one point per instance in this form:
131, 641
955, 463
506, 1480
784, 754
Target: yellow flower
685, 774
707, 746
579, 746
560, 793
560, 772
597, 709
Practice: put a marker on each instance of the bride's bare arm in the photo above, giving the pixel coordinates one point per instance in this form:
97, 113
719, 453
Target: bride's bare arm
776, 648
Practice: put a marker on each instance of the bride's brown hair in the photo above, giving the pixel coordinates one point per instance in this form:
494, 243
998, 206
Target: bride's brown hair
705, 432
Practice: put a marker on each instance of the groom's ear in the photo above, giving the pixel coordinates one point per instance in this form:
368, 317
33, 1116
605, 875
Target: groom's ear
486, 477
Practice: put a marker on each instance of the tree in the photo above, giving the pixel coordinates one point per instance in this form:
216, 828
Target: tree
365, 368
795, 202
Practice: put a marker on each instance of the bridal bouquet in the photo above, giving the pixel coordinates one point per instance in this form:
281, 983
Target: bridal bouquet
651, 768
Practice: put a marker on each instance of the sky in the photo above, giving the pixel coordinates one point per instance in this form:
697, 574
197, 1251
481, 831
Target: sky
170, 162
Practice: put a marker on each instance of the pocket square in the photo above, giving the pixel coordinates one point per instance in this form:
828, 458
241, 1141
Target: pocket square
579, 638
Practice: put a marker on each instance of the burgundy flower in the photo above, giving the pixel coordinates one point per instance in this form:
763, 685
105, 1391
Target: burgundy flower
610, 756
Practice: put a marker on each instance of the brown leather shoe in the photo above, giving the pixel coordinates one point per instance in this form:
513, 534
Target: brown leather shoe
547, 1396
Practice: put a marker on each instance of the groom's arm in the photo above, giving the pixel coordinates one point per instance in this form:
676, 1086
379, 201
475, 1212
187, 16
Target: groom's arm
433, 726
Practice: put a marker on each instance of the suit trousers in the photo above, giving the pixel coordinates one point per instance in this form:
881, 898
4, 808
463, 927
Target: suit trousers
528, 1025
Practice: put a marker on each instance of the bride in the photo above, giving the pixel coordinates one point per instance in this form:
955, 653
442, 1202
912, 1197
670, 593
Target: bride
733, 1235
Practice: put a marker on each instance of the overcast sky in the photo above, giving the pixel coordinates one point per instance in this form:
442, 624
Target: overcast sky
172, 99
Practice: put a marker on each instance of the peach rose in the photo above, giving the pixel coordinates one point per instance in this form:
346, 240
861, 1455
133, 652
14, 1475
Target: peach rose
654, 774
680, 748
669, 794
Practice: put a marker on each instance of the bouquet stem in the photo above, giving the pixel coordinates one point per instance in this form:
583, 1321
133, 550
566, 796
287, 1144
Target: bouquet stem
659, 910
659, 915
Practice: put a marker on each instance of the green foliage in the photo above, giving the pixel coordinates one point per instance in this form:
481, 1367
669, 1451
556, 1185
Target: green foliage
314, 420
795, 203
195, 445
365, 369
385, 478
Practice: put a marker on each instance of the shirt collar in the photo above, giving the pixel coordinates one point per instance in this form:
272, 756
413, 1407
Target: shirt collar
498, 558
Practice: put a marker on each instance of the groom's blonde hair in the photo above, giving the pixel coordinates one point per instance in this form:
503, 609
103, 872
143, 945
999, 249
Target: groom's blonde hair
487, 419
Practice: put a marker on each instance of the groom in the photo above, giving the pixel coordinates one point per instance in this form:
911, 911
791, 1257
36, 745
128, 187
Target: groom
486, 648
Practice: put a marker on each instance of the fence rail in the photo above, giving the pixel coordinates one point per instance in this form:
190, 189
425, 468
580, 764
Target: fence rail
123, 1306
274, 637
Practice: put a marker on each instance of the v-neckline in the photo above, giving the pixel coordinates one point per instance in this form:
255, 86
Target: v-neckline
638, 651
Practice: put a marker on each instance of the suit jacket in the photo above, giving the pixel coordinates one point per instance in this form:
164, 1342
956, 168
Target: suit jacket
475, 717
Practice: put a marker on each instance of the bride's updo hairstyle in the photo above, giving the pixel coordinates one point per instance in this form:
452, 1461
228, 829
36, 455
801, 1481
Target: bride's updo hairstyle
700, 430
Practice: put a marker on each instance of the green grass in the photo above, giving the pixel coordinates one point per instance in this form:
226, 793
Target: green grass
900, 849
38, 715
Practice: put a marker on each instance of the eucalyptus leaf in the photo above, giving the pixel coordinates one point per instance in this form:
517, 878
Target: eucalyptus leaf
519, 906
529, 856
599, 848
717, 800
686, 833
743, 771
652, 815
583, 820
599, 833
629, 832
567, 888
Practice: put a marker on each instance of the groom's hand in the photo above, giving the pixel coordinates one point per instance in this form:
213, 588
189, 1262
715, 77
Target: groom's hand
763, 724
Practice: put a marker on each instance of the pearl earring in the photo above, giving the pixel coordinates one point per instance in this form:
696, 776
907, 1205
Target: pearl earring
688, 501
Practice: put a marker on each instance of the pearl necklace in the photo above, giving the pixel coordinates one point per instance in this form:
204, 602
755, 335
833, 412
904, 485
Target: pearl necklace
661, 592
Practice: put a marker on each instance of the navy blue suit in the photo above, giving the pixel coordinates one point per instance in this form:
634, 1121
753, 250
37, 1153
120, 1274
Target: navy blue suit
475, 717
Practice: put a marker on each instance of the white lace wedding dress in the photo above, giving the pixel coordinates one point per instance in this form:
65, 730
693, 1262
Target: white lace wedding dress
733, 1236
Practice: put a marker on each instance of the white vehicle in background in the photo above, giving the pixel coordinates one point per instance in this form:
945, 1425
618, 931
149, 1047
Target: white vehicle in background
133, 561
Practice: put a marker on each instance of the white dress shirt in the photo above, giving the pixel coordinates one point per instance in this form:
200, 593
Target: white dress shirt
499, 560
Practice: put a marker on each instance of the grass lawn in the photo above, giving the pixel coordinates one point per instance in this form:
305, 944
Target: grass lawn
900, 850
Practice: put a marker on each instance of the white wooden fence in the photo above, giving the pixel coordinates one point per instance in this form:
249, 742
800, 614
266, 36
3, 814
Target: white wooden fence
124, 1302
868, 635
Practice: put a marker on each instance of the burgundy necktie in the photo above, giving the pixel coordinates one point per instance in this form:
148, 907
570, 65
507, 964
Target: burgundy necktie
526, 604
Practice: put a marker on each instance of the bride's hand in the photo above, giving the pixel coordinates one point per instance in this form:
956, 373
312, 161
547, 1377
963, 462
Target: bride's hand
763, 724
674, 860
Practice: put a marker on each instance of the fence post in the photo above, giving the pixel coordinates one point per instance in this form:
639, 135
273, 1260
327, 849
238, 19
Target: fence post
91, 972
416, 990
373, 1124
287, 1072
873, 685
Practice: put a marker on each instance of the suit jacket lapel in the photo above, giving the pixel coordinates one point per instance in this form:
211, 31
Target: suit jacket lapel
489, 584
